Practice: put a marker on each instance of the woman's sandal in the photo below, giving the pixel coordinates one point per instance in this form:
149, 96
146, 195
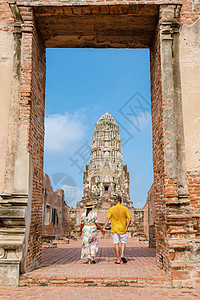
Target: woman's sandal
117, 262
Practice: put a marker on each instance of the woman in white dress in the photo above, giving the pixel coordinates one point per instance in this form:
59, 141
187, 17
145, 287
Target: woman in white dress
89, 224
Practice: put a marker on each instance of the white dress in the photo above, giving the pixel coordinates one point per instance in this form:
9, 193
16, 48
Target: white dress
90, 244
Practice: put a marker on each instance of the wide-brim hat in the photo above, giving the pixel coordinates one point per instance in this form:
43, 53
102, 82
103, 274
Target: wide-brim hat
89, 205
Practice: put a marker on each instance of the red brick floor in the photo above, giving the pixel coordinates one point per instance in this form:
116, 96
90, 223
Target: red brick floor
100, 293
62, 266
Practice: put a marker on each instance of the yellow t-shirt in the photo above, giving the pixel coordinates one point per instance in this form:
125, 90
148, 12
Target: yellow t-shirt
118, 215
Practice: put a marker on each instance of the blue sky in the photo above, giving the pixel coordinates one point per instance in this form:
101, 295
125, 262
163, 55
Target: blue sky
82, 84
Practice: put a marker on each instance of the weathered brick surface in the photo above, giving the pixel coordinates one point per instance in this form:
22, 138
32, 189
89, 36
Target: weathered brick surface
152, 238
55, 211
63, 266
190, 12
118, 293
6, 16
113, 29
158, 151
194, 190
149, 217
32, 113
172, 226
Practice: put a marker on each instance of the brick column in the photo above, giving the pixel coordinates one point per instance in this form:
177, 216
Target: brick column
32, 105
21, 201
14, 197
177, 229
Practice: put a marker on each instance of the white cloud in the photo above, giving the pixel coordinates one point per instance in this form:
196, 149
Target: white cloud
63, 132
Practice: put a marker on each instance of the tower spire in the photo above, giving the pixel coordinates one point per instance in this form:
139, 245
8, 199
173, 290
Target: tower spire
105, 177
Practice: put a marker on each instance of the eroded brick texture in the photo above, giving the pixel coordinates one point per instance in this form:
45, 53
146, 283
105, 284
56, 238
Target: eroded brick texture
55, 211
194, 190
158, 151
190, 12
32, 104
164, 188
149, 217
175, 227
32, 114
6, 16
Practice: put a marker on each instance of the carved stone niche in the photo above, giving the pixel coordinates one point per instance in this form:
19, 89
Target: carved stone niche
12, 238
2, 253
167, 13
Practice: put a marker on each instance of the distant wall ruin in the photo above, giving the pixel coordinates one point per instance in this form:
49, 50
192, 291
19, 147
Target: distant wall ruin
55, 212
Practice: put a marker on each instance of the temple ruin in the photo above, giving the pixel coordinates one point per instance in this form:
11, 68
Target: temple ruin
55, 212
106, 176
170, 29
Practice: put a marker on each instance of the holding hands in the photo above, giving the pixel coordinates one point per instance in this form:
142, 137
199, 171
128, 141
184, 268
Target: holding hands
103, 231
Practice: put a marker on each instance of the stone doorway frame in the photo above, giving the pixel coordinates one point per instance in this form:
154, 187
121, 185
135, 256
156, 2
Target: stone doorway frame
153, 25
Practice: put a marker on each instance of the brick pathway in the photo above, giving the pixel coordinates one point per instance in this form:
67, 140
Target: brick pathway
62, 266
100, 293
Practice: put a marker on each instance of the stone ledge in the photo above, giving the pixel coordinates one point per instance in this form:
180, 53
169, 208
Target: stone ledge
12, 213
9, 262
98, 2
27, 280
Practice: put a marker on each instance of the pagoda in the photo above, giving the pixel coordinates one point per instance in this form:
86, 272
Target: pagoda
106, 176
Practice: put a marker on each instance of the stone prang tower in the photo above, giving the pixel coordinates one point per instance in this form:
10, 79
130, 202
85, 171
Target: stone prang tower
106, 176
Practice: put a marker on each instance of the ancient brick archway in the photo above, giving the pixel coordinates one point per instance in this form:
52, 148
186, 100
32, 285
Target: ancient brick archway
170, 29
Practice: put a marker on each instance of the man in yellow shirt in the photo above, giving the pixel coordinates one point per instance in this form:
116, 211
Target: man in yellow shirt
120, 221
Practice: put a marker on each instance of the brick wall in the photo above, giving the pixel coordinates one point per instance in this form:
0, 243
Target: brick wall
190, 11
164, 188
6, 16
152, 238
149, 215
36, 144
7, 45
158, 150
31, 114
151, 206
32, 105
194, 191
55, 211
174, 230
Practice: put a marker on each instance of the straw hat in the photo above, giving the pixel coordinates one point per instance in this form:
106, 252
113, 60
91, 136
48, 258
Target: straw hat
89, 205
